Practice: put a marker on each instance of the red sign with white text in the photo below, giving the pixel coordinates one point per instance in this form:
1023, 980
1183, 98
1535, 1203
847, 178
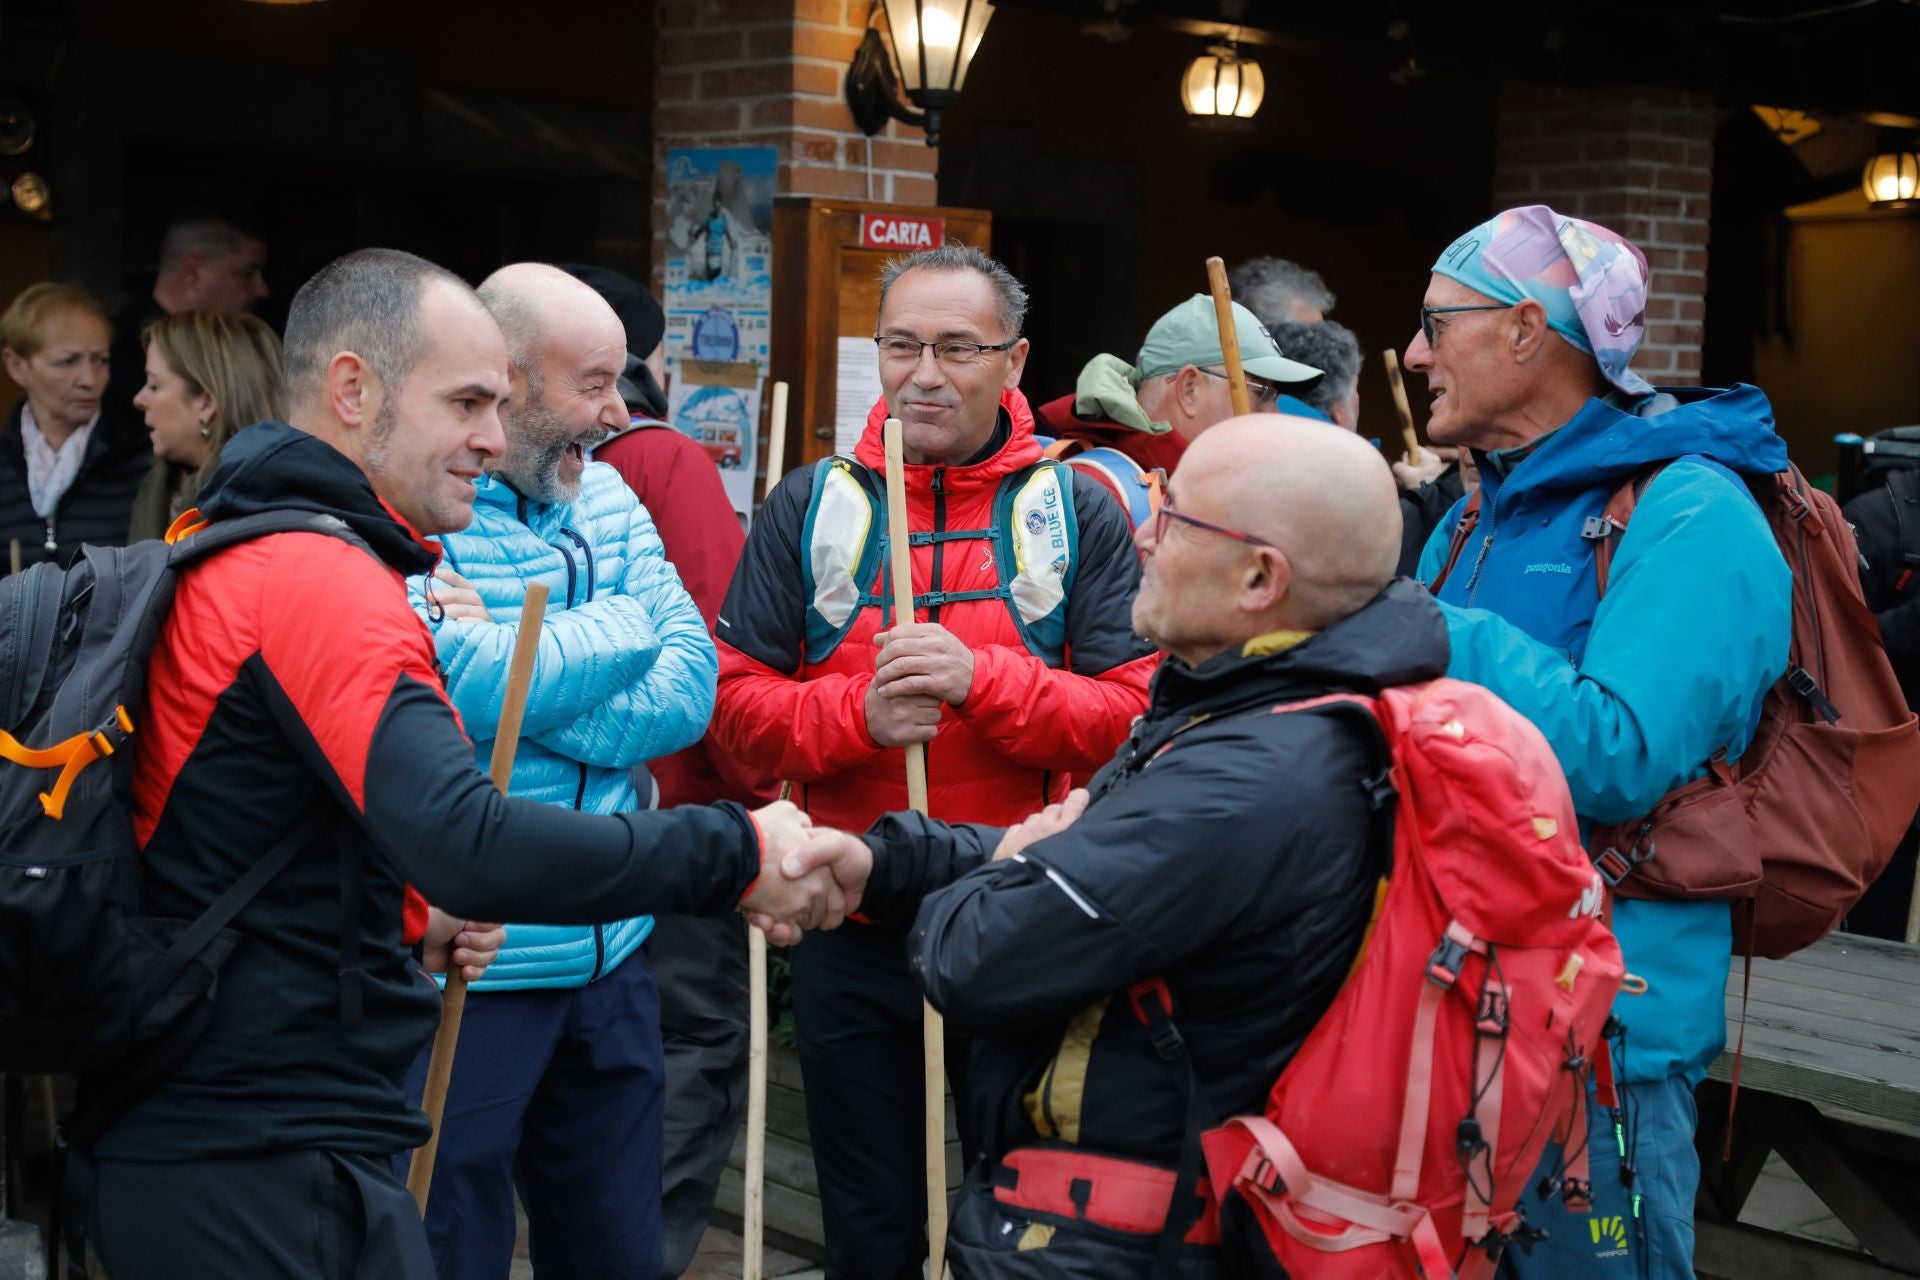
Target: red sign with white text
900, 231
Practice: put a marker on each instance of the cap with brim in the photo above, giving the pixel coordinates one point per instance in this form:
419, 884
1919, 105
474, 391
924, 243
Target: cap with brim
1190, 335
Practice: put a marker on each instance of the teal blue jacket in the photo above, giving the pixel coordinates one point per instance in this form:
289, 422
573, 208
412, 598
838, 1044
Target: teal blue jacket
624, 674
1636, 690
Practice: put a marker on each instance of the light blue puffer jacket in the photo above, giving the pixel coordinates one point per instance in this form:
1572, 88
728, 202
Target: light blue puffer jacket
625, 673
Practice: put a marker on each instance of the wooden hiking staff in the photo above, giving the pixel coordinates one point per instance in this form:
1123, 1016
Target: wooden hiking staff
1229, 336
1913, 911
453, 1004
933, 1026
753, 1224
1399, 386
13, 556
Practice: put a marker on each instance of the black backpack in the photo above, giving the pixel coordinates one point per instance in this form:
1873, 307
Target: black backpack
89, 982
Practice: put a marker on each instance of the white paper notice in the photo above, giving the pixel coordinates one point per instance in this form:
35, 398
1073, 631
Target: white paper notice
856, 390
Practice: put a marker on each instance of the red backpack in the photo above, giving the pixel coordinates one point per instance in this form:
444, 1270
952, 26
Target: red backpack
1401, 1137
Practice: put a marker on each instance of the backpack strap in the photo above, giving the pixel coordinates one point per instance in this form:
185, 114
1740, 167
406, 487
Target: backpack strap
1462, 530
192, 537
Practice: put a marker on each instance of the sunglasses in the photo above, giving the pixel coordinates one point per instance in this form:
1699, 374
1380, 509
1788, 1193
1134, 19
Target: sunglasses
1428, 313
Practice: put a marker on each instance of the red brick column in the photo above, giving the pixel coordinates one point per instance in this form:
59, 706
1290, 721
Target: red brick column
755, 73
1634, 158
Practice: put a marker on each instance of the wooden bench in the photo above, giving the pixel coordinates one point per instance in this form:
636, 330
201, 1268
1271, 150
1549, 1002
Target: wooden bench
1830, 1079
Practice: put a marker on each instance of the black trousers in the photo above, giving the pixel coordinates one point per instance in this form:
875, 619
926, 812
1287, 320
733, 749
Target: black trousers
857, 1014
700, 965
298, 1215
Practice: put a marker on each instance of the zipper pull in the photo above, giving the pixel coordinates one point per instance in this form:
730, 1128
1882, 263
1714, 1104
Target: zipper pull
939, 474
52, 546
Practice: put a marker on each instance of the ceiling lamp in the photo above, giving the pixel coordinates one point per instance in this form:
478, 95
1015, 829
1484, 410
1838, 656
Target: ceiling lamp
933, 46
1892, 179
1221, 85
31, 195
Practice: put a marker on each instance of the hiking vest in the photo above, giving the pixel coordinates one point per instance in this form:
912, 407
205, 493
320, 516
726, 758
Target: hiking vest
1034, 536
1141, 490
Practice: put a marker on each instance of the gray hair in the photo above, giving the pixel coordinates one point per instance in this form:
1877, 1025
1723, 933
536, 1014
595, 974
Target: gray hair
200, 233
954, 256
522, 325
366, 302
1328, 346
1269, 287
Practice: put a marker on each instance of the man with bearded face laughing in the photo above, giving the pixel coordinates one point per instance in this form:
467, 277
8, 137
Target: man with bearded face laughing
559, 1085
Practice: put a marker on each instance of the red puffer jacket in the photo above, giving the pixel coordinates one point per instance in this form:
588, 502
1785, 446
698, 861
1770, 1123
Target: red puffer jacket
1025, 729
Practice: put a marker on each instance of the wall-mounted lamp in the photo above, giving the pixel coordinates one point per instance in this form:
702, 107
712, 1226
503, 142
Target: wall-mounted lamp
32, 196
1892, 179
933, 45
1221, 85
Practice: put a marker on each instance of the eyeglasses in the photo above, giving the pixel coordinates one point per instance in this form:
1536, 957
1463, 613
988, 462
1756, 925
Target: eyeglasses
955, 355
1166, 513
1261, 394
1428, 313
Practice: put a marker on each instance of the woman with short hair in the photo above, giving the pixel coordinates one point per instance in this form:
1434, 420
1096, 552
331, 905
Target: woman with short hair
68, 470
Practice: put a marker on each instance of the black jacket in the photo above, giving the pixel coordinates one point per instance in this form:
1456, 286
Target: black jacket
1228, 850
96, 508
1890, 572
1421, 512
293, 689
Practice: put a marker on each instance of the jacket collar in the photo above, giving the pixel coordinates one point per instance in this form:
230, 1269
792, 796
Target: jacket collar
1017, 449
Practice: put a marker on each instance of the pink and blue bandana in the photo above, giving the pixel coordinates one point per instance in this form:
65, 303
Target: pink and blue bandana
1592, 281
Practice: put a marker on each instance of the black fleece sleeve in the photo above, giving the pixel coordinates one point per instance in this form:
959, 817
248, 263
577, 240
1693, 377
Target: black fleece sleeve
1100, 610
476, 853
913, 855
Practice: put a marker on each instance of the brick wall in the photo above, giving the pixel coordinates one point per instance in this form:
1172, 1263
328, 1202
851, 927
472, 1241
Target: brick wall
746, 73
1634, 158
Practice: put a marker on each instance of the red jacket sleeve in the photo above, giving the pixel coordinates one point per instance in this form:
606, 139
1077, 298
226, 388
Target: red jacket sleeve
802, 731
1046, 718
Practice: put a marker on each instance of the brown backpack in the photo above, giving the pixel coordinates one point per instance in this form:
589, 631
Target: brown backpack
1799, 826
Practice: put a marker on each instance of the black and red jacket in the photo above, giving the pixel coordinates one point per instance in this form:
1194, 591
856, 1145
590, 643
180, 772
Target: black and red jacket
292, 688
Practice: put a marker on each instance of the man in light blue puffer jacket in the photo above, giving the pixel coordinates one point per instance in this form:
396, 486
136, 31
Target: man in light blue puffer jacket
558, 1085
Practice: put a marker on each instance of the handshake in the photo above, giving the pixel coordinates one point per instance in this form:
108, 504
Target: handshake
810, 877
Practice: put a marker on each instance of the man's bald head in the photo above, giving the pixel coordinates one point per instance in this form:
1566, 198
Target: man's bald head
1323, 496
568, 350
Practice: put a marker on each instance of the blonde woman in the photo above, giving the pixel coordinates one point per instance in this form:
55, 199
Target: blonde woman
209, 374
68, 471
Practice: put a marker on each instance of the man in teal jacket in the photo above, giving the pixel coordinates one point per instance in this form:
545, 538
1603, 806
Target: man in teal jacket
1527, 332
559, 1082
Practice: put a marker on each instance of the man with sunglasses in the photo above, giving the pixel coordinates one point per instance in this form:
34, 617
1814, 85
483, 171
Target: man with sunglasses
1527, 332
1016, 667
1124, 422
1227, 851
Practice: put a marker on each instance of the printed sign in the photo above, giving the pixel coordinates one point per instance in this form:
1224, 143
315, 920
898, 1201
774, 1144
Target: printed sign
901, 231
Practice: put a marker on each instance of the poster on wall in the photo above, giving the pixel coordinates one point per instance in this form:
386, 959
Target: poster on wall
719, 294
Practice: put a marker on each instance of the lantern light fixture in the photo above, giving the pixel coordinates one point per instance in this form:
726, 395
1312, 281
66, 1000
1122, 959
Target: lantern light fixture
1222, 85
1892, 179
933, 44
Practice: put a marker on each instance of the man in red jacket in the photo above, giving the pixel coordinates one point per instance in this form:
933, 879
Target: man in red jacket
1024, 673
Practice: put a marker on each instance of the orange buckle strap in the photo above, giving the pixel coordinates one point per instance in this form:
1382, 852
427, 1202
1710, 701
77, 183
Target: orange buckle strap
186, 523
70, 757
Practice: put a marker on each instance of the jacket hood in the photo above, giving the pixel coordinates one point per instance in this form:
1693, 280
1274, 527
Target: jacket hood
1018, 449
1399, 637
271, 466
1605, 445
1059, 419
1106, 390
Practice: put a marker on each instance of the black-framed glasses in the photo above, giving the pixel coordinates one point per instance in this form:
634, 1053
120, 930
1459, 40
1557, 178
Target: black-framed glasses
1261, 394
1166, 513
1428, 313
897, 350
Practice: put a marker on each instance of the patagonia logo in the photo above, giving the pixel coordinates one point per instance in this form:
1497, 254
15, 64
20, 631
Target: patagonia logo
1610, 1231
1548, 566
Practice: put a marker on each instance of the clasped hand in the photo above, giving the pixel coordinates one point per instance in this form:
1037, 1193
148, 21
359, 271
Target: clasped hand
810, 878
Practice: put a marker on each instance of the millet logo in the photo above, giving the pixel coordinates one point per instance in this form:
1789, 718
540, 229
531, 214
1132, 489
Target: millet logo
1611, 1231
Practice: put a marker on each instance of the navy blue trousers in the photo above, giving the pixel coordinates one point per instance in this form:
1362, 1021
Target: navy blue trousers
558, 1093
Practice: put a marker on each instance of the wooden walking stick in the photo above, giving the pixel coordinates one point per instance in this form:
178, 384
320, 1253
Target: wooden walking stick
1399, 386
1913, 911
13, 556
453, 1004
754, 1211
1229, 336
934, 1032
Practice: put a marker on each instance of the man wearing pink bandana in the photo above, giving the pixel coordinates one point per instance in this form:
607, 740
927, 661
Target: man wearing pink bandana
1527, 334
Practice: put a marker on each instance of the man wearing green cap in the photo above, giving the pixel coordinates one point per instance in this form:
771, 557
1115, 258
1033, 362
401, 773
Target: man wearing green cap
1124, 421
